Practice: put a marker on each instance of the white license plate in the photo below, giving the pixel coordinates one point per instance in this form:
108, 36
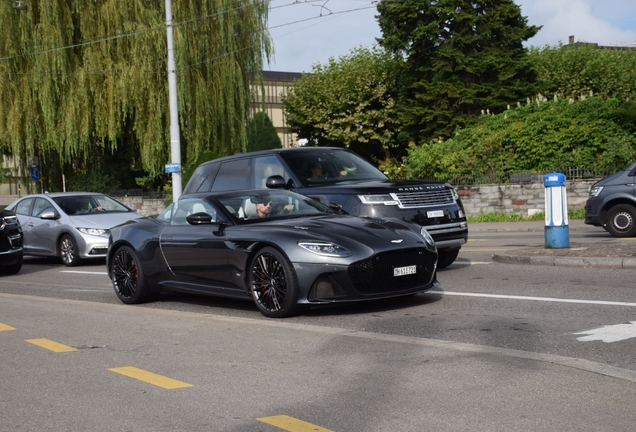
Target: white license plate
435, 213
401, 271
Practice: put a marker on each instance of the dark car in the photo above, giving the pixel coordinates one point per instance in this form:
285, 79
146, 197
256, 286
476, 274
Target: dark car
10, 243
279, 248
70, 225
340, 178
612, 203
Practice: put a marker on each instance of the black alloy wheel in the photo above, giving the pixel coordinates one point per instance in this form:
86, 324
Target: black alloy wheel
128, 277
273, 284
621, 221
68, 251
446, 257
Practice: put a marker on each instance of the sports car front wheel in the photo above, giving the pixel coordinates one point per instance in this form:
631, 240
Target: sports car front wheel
273, 284
128, 277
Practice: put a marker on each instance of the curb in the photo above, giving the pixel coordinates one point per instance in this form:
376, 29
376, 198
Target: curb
586, 262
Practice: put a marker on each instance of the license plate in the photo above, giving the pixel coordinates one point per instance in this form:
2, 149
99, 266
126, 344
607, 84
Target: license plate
401, 271
435, 213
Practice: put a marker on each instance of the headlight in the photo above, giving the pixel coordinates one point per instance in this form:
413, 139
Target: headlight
430, 243
325, 249
455, 194
377, 199
93, 231
595, 190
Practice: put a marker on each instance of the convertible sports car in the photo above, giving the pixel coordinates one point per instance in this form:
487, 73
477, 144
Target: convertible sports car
282, 249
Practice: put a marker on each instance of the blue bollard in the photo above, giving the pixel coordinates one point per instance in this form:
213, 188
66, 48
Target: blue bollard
557, 234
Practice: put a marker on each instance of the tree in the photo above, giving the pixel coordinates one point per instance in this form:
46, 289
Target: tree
349, 102
573, 70
462, 57
78, 78
540, 136
261, 133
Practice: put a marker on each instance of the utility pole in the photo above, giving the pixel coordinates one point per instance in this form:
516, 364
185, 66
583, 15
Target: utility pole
175, 139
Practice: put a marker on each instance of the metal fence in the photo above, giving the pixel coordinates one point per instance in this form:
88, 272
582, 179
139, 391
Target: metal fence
571, 173
139, 193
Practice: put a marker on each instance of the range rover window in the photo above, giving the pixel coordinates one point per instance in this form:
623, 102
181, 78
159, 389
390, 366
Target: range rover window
201, 180
233, 175
331, 166
267, 166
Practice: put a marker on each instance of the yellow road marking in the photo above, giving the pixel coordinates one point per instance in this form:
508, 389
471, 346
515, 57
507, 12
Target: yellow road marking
291, 424
50, 345
4, 327
150, 378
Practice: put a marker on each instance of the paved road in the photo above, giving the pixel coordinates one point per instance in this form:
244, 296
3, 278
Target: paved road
498, 347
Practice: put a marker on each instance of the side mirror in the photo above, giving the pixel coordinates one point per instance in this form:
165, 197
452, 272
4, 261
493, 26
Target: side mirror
199, 219
275, 182
49, 215
337, 207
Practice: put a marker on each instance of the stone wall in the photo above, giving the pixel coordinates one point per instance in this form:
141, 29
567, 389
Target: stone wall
146, 207
523, 199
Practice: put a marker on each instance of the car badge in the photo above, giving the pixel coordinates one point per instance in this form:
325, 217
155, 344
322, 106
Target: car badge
397, 241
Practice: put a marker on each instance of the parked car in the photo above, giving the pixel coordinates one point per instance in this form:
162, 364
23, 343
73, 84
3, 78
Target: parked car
612, 203
338, 177
70, 225
281, 249
10, 243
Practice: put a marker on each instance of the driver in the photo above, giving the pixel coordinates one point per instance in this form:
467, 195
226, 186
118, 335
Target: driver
264, 206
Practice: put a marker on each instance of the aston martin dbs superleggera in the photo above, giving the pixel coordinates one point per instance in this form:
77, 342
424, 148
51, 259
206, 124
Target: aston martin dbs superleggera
283, 250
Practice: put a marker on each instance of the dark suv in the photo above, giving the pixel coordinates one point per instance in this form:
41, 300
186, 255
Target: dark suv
612, 203
341, 179
10, 243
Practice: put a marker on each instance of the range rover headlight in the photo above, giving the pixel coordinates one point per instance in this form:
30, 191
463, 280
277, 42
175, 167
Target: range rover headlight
455, 194
428, 240
595, 190
325, 249
377, 199
93, 231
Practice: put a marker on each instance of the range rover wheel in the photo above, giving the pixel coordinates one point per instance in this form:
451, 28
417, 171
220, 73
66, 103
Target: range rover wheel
273, 284
621, 221
128, 277
446, 257
68, 251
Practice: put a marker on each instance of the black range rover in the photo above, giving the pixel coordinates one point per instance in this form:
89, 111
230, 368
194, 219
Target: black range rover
340, 178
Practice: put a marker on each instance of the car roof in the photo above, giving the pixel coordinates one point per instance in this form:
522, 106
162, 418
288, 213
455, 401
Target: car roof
274, 151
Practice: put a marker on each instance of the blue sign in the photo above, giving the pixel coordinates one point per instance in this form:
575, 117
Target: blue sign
554, 179
172, 168
35, 173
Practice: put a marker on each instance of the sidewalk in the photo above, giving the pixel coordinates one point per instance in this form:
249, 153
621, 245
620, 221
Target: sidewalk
601, 254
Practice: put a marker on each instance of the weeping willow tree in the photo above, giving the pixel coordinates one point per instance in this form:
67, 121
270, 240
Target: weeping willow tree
82, 77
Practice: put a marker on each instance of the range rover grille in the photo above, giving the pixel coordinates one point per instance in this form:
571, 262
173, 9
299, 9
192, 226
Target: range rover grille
375, 275
424, 198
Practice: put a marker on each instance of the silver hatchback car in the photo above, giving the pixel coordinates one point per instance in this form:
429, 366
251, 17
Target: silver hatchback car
69, 225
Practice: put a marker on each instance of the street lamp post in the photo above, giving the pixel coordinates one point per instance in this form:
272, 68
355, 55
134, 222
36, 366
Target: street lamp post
175, 140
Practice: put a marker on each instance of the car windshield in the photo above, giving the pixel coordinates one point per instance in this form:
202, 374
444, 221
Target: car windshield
328, 166
88, 204
261, 205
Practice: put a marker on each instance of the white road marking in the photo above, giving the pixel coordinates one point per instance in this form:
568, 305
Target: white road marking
611, 333
83, 272
465, 264
545, 299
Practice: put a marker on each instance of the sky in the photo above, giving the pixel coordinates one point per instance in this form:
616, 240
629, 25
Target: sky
306, 32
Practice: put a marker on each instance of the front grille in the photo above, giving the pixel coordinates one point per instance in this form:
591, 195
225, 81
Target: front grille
5, 245
424, 198
375, 275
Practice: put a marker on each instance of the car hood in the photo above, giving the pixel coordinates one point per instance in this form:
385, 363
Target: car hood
376, 187
102, 220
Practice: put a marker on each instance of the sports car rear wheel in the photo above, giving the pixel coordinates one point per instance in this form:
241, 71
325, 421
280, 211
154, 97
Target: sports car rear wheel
128, 277
273, 284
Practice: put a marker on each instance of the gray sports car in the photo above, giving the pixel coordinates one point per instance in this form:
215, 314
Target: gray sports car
283, 250
69, 225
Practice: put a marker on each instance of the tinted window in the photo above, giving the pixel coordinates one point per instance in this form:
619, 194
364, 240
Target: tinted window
40, 206
24, 206
201, 180
267, 166
233, 175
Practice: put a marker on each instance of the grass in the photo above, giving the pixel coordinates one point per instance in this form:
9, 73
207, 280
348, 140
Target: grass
503, 217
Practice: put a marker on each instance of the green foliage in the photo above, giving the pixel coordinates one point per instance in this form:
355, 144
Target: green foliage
75, 75
537, 136
349, 102
572, 71
261, 133
462, 57
573, 213
194, 162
